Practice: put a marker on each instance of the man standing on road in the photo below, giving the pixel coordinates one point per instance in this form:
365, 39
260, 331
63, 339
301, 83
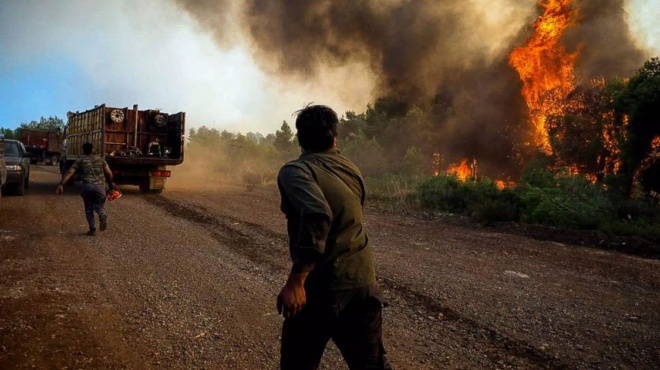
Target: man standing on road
94, 171
331, 291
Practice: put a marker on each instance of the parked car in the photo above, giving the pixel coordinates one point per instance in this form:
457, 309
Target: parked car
17, 160
3, 165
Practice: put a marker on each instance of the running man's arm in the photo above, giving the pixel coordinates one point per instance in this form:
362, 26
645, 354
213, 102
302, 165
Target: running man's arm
108, 176
65, 178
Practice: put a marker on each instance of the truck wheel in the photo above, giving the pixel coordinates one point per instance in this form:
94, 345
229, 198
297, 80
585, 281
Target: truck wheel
54, 160
144, 188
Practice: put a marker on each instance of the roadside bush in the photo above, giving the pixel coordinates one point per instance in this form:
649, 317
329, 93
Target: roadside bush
481, 200
504, 205
641, 229
445, 193
392, 190
572, 202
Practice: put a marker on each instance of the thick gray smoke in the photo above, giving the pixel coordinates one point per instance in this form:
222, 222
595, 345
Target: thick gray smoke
603, 37
452, 51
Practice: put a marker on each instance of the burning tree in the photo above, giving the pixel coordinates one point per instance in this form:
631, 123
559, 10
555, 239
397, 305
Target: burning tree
544, 65
588, 134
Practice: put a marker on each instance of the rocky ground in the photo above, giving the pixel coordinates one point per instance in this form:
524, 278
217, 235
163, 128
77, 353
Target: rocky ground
188, 279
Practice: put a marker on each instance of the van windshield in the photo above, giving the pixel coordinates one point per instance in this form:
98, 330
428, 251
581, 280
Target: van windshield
11, 149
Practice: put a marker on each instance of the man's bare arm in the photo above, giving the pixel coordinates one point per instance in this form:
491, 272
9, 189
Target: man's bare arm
108, 176
292, 297
65, 178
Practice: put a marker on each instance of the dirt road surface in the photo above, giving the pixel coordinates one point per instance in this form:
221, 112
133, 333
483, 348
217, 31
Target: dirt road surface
188, 279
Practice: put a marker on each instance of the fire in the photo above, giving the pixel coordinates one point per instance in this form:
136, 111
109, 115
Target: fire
545, 66
437, 160
462, 171
655, 147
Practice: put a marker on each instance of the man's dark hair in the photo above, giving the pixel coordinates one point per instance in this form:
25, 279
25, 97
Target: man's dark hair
87, 148
317, 127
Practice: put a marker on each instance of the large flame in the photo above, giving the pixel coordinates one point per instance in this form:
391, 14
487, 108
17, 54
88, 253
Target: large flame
545, 66
462, 171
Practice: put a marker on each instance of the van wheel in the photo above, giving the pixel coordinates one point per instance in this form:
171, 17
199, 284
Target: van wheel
20, 188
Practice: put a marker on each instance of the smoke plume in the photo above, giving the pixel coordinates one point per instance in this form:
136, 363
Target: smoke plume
453, 51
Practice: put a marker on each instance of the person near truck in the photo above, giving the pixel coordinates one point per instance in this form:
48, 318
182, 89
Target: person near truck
331, 290
94, 171
154, 148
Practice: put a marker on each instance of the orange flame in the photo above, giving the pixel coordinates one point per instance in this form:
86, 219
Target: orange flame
462, 171
436, 163
545, 66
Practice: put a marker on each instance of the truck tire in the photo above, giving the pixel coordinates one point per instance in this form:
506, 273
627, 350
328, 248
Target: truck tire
54, 160
144, 188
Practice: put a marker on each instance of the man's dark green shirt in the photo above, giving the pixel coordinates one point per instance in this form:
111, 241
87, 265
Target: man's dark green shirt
322, 197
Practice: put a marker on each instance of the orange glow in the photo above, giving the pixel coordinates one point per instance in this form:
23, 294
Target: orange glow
462, 171
500, 184
544, 65
436, 163
655, 144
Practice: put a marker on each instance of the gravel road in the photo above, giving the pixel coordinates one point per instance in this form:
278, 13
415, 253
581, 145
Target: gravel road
188, 279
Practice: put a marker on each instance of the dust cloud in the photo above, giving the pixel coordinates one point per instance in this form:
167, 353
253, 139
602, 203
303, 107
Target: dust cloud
219, 165
443, 55
204, 169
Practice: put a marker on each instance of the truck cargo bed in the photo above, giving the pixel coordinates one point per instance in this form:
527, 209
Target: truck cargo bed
138, 145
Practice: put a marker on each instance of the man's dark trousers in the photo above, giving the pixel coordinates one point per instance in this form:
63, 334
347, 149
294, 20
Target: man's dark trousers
352, 318
94, 198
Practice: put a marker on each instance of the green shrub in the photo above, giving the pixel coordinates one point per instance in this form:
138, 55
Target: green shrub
445, 193
641, 229
503, 205
572, 202
392, 189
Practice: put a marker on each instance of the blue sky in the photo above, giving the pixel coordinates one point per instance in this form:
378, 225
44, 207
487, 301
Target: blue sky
73, 54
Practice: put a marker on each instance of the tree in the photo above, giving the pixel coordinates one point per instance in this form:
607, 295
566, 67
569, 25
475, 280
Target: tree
284, 139
52, 123
588, 134
7, 133
640, 100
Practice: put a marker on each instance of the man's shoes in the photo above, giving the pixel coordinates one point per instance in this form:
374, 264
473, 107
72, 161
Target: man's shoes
91, 232
104, 222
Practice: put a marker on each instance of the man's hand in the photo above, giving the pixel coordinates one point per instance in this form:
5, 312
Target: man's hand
113, 185
292, 297
59, 189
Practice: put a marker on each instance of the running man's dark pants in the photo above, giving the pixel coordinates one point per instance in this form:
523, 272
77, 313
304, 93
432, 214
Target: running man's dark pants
94, 198
351, 318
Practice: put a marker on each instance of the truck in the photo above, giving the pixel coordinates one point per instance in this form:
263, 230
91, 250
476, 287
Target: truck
138, 145
43, 145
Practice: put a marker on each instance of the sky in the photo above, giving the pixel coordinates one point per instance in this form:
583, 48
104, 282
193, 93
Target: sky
70, 55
